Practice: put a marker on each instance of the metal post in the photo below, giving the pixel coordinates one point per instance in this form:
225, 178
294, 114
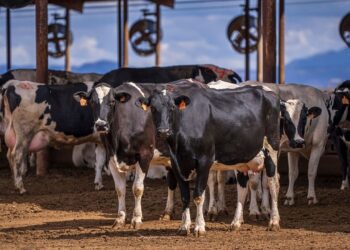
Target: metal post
8, 37
281, 70
158, 35
120, 35
269, 40
126, 35
68, 47
41, 69
247, 61
259, 53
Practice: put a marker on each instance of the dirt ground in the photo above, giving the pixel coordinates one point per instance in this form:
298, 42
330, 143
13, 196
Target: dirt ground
63, 210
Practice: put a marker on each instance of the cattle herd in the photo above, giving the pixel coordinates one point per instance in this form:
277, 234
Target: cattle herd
197, 121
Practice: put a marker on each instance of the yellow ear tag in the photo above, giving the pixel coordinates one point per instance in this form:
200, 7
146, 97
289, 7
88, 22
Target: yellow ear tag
182, 105
83, 102
144, 106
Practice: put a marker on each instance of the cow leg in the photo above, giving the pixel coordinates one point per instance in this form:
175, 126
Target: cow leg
138, 188
342, 151
169, 209
254, 183
100, 162
120, 188
265, 202
186, 217
293, 172
242, 191
18, 158
315, 155
212, 208
273, 184
221, 203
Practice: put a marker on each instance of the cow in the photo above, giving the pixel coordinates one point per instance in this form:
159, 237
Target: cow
315, 135
233, 127
38, 115
338, 104
203, 73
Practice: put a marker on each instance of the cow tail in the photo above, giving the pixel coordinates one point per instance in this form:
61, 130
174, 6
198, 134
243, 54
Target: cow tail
176, 163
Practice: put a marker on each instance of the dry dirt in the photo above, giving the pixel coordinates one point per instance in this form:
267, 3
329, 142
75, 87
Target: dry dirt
63, 210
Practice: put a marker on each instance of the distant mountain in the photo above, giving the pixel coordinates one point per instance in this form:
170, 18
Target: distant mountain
101, 67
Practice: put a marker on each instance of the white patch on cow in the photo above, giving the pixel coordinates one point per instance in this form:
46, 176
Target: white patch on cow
102, 91
212, 208
254, 185
164, 92
199, 227
157, 172
241, 196
136, 87
200, 76
138, 189
345, 184
186, 220
100, 161
294, 108
222, 85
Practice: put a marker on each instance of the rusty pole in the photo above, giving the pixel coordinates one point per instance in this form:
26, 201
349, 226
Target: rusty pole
281, 66
126, 35
8, 37
269, 41
158, 35
120, 35
246, 35
41, 69
259, 53
68, 46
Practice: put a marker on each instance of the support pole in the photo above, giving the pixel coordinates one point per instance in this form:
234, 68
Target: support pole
8, 38
120, 35
68, 46
41, 69
158, 35
247, 59
259, 53
281, 66
269, 41
126, 35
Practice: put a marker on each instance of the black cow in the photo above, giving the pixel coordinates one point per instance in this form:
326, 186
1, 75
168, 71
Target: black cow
203, 126
202, 73
38, 115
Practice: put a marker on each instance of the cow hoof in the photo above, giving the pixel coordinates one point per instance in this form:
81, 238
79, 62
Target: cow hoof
199, 232
212, 216
312, 201
289, 202
344, 185
184, 231
136, 225
166, 216
22, 191
119, 222
235, 226
223, 212
274, 226
98, 186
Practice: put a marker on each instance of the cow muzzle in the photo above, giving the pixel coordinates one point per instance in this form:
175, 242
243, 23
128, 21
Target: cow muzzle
299, 143
163, 133
101, 126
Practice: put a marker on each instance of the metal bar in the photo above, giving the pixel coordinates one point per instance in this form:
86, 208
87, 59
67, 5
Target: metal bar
247, 59
126, 35
269, 40
8, 38
158, 34
68, 46
259, 53
281, 44
41, 69
120, 34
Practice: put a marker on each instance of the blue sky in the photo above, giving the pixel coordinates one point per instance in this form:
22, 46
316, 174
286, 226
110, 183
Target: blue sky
189, 36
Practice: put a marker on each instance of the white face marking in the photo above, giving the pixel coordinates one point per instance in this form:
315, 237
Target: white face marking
294, 108
164, 92
102, 91
136, 87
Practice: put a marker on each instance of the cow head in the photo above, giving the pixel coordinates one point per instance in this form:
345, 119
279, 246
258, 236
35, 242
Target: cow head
165, 109
294, 116
102, 99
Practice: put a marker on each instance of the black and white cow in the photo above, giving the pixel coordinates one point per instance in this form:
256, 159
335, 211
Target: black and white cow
232, 128
339, 108
38, 115
202, 73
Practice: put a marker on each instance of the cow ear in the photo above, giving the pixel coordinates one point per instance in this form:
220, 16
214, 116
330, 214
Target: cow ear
313, 112
182, 102
143, 103
122, 97
81, 97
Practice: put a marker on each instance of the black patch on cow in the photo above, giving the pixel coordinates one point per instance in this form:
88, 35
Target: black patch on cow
69, 116
41, 117
171, 179
242, 179
13, 98
269, 164
48, 122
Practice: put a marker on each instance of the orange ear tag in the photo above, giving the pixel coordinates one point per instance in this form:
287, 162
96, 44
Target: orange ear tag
144, 107
182, 105
83, 102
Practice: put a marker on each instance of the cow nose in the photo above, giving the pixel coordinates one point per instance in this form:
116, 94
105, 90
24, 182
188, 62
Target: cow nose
163, 132
299, 143
101, 126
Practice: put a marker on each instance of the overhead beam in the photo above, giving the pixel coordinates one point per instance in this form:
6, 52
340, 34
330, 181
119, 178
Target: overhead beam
269, 40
